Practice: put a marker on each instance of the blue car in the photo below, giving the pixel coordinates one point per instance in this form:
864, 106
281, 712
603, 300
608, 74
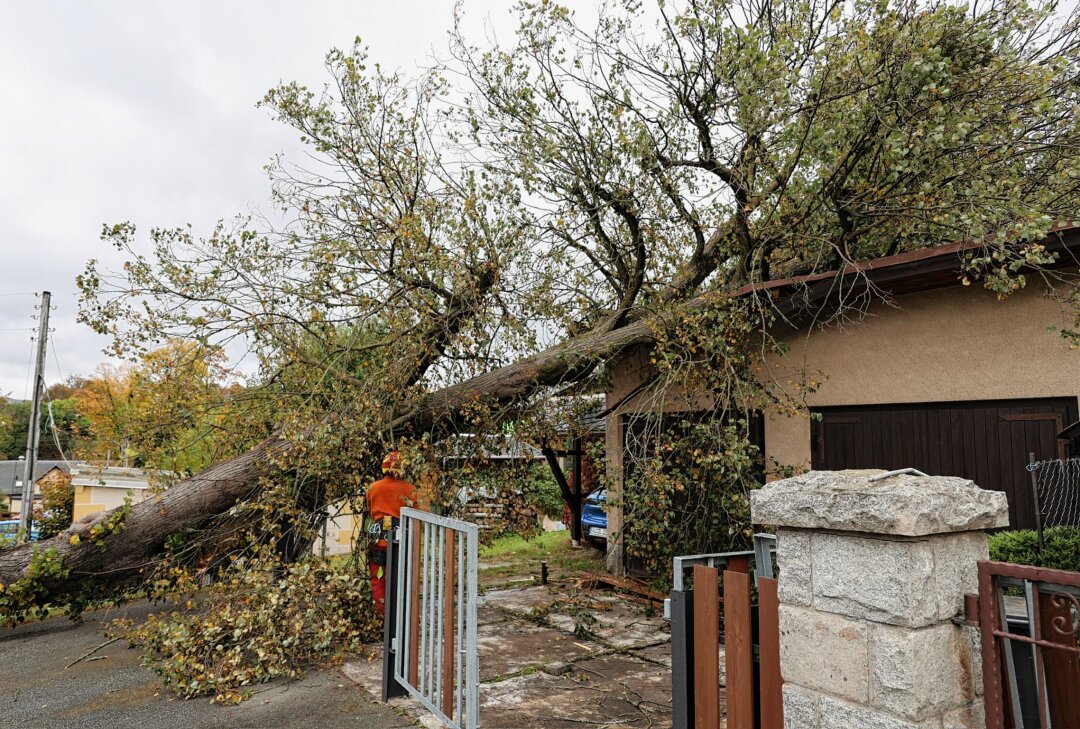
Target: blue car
594, 519
9, 529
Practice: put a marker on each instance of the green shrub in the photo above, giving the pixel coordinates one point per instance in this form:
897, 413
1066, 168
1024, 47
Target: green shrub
1061, 548
541, 491
532, 480
1018, 547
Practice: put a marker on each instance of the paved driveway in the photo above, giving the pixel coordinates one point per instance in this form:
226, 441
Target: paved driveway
113, 692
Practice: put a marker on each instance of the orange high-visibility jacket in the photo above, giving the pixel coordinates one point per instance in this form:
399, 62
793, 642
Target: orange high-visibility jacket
386, 496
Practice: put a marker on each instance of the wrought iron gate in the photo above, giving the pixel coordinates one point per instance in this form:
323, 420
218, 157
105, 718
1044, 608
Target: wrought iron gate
431, 647
1030, 623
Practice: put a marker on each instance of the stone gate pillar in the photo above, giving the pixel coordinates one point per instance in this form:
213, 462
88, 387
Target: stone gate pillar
872, 574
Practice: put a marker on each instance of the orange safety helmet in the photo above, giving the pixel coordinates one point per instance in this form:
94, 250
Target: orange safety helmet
392, 462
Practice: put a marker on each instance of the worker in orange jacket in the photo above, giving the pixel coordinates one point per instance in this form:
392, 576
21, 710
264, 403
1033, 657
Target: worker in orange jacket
385, 498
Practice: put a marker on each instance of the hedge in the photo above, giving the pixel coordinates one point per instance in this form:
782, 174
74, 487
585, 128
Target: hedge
1061, 548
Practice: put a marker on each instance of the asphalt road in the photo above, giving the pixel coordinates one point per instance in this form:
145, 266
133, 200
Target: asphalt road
114, 692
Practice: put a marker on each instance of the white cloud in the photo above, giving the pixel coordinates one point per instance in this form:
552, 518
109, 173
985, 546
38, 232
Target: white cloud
145, 111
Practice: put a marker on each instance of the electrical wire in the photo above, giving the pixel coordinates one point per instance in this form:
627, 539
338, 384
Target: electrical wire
52, 421
56, 361
29, 369
54, 430
30, 362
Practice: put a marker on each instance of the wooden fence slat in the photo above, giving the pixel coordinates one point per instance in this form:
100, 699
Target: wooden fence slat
738, 563
449, 675
413, 586
707, 641
739, 650
772, 683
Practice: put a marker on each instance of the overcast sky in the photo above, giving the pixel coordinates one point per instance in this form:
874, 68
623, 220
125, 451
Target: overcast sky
144, 110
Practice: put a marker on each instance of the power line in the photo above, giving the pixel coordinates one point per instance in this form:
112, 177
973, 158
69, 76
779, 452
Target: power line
52, 420
55, 431
56, 361
29, 368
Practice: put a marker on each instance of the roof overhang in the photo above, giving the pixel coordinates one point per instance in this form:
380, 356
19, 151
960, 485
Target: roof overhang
903, 273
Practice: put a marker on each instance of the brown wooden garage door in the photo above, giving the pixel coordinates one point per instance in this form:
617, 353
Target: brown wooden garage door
986, 441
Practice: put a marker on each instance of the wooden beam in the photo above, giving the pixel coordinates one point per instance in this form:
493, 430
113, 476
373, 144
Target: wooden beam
567, 494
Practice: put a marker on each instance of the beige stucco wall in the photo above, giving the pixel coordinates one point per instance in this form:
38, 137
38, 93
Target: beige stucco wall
341, 531
90, 500
15, 507
952, 344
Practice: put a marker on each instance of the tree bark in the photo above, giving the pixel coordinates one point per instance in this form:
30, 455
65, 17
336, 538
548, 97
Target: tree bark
192, 502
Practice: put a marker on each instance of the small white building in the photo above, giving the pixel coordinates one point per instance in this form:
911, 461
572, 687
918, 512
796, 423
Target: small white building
100, 488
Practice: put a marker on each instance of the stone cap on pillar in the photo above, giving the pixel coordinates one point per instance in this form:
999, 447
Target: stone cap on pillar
902, 505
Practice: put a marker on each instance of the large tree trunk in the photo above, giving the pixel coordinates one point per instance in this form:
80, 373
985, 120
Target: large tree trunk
192, 502
189, 504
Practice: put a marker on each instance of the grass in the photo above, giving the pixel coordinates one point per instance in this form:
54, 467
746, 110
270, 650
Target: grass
515, 547
514, 559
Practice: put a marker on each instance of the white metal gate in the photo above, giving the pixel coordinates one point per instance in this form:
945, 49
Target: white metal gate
434, 644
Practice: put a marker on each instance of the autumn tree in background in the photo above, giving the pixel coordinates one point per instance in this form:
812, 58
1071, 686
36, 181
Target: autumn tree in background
57, 506
7, 428
64, 430
164, 412
473, 241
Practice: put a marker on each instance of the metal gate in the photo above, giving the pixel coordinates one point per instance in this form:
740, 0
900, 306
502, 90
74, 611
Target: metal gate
750, 635
1030, 623
431, 647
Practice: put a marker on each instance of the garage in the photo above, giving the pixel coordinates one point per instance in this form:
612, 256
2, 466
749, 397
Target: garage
987, 441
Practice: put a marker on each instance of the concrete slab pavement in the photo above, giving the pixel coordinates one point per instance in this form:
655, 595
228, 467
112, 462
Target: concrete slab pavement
536, 673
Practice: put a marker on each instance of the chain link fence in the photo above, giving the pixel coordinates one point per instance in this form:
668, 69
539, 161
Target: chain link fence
1057, 484
1056, 492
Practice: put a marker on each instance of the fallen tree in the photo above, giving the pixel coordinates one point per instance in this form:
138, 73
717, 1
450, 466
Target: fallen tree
122, 553
597, 189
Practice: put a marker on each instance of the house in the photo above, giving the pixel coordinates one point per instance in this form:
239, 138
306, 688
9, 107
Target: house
941, 377
100, 488
11, 476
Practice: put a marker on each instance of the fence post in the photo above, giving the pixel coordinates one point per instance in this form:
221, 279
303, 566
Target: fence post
873, 570
1033, 472
390, 686
770, 689
682, 659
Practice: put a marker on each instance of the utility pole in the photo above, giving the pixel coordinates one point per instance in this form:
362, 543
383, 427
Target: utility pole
33, 434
